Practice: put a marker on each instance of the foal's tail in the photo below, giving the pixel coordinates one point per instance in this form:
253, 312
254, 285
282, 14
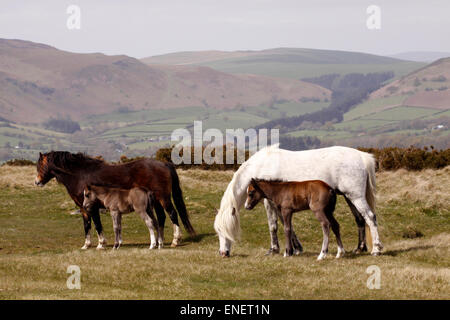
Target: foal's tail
177, 196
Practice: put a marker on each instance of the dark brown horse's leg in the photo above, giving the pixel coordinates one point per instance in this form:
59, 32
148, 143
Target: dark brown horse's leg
161, 216
95, 212
362, 247
167, 203
287, 217
87, 228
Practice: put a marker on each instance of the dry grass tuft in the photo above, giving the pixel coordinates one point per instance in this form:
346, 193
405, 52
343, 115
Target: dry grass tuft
430, 187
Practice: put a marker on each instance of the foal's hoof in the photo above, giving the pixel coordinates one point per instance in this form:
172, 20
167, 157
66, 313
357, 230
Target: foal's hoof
152, 246
85, 247
272, 251
340, 254
321, 256
297, 252
101, 247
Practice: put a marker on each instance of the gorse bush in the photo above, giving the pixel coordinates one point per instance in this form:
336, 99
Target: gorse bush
411, 158
391, 158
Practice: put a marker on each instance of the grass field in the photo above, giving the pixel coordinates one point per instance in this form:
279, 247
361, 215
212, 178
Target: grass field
39, 240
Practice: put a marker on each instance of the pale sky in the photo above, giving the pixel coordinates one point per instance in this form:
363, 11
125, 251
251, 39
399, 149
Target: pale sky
142, 28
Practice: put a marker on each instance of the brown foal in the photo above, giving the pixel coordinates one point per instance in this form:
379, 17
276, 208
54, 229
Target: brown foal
122, 201
292, 197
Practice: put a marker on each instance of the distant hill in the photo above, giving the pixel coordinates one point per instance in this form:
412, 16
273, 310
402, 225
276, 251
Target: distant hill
428, 87
422, 96
38, 81
421, 56
288, 62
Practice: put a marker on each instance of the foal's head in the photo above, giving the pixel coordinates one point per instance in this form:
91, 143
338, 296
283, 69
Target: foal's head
90, 197
254, 195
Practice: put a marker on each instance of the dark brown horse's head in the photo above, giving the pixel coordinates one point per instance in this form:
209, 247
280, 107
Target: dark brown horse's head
44, 172
254, 195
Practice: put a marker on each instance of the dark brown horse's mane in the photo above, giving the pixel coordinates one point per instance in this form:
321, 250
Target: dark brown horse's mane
72, 161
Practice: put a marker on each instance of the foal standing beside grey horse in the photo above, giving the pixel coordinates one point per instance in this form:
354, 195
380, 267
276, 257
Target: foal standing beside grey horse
292, 197
348, 171
121, 201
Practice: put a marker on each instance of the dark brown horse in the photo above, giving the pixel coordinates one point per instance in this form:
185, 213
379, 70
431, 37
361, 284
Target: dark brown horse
75, 171
292, 197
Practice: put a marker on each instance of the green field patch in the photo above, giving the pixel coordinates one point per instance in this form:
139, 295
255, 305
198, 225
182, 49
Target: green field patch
232, 120
286, 109
401, 113
373, 106
307, 70
444, 113
362, 124
146, 115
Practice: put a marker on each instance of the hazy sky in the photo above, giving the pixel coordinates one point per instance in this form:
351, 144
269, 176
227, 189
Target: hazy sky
151, 27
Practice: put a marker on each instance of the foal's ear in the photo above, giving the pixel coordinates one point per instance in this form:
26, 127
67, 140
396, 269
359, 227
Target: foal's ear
88, 187
253, 181
40, 155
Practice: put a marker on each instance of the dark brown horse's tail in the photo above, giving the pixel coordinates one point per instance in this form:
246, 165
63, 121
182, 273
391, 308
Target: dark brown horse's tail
177, 196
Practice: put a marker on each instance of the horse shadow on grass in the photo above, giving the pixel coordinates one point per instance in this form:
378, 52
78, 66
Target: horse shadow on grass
394, 253
185, 242
391, 253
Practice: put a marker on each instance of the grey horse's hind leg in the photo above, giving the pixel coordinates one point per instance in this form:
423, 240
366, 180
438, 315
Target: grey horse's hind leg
361, 223
272, 218
371, 220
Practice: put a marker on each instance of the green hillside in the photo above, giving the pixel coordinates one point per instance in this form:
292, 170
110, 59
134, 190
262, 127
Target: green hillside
291, 62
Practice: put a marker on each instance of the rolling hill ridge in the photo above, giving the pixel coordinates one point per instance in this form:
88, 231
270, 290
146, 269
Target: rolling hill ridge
38, 81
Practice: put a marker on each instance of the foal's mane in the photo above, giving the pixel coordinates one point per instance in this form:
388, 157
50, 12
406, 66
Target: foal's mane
73, 161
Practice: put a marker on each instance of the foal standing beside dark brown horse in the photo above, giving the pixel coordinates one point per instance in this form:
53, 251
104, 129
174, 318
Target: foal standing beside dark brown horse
292, 197
75, 171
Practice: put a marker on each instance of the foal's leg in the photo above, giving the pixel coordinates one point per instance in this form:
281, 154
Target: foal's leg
336, 231
117, 225
362, 247
326, 233
150, 223
287, 217
151, 214
87, 228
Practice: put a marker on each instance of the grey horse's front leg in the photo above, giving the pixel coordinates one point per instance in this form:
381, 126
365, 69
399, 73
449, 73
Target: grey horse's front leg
272, 215
272, 219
